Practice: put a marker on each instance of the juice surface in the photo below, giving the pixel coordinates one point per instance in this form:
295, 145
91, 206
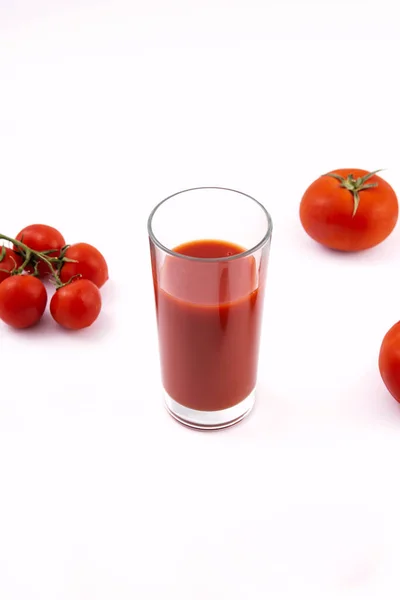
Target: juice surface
209, 318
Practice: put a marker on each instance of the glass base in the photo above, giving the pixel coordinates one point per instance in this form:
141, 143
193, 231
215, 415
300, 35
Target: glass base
213, 419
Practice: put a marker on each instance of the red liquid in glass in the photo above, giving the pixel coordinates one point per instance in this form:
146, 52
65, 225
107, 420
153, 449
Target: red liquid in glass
209, 319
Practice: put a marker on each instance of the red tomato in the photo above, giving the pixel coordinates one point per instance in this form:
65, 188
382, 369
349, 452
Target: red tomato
76, 305
10, 261
91, 264
389, 361
41, 238
349, 209
23, 299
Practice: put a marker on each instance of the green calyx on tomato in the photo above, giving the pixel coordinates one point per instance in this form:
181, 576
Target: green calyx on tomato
355, 186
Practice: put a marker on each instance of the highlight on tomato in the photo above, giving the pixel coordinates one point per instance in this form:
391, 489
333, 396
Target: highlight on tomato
23, 299
44, 239
86, 261
349, 210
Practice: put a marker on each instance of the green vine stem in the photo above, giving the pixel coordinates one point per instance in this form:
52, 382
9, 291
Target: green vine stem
29, 254
355, 186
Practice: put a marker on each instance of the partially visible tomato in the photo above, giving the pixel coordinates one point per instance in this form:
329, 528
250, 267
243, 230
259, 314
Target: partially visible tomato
10, 261
349, 210
23, 299
76, 305
41, 238
389, 361
91, 264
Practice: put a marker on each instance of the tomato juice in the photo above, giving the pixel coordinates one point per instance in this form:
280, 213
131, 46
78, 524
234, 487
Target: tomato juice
209, 319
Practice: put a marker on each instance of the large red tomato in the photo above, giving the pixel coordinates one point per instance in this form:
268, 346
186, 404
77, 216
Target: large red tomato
389, 361
23, 299
90, 264
41, 238
76, 305
349, 209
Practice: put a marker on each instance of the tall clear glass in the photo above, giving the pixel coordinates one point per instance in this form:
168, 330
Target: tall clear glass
209, 254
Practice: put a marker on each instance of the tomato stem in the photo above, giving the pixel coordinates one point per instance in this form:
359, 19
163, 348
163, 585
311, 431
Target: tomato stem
28, 257
355, 186
28, 254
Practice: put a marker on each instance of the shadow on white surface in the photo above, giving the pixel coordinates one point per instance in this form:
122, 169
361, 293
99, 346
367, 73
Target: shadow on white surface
48, 328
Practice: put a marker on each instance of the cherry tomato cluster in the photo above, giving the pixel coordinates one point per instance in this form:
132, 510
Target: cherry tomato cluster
77, 272
352, 210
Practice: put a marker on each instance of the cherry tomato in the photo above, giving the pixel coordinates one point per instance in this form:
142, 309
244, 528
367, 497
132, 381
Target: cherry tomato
91, 264
389, 361
10, 261
23, 299
76, 305
41, 238
349, 210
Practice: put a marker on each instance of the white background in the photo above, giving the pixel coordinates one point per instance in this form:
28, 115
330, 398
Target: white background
106, 107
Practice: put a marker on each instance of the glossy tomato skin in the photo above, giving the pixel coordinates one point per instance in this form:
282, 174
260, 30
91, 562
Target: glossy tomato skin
11, 261
76, 305
41, 237
326, 212
23, 299
389, 361
91, 264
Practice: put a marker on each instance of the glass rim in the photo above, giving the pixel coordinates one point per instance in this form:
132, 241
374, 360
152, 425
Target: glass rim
248, 252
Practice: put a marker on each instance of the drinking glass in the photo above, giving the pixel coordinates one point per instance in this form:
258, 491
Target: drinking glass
209, 251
